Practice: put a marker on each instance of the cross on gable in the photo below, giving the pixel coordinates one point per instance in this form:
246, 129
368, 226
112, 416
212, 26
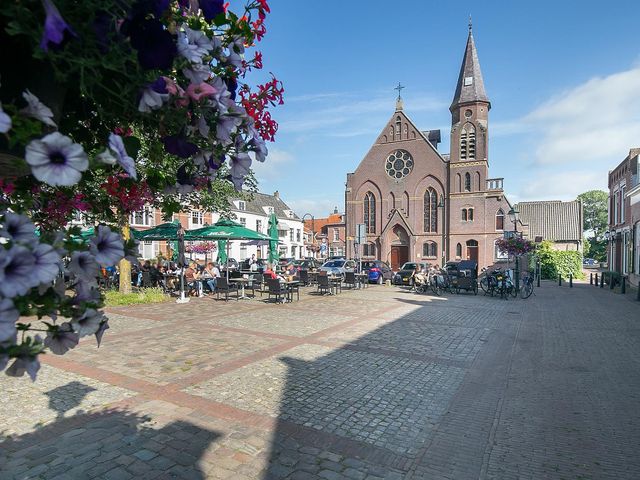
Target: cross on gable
399, 88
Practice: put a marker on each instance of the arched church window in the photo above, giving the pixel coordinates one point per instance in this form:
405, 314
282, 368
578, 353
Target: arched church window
370, 212
458, 182
430, 210
459, 250
464, 215
467, 182
430, 249
470, 214
500, 220
468, 142
398, 127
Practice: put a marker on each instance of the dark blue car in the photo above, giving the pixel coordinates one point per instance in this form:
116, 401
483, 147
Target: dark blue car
378, 271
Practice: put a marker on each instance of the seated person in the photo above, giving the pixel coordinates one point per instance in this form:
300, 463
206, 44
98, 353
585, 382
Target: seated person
211, 274
269, 273
191, 276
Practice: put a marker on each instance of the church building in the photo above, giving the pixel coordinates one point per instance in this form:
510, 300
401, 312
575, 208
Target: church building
418, 204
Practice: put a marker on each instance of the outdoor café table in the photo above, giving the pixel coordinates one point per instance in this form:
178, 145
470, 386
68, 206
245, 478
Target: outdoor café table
313, 277
336, 282
242, 282
290, 285
363, 280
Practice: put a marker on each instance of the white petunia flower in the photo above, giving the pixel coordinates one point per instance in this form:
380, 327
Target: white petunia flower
38, 110
198, 73
124, 160
194, 44
151, 100
56, 160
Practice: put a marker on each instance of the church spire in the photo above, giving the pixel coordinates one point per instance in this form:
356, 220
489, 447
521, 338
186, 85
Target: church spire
470, 86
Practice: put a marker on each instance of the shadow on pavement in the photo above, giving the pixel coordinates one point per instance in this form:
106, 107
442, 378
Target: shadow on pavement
66, 397
107, 444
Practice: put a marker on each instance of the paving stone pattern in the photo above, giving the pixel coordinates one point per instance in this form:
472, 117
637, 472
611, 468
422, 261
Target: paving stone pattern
370, 384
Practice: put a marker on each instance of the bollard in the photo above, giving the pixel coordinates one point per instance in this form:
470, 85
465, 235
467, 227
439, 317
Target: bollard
623, 285
638, 293
602, 280
596, 279
591, 278
559, 280
571, 280
612, 282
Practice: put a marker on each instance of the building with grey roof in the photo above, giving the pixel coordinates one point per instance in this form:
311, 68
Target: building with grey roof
556, 221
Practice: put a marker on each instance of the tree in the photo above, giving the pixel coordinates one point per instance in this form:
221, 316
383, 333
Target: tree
594, 207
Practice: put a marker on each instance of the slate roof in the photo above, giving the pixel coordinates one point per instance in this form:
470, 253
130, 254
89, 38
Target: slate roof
553, 220
470, 68
263, 200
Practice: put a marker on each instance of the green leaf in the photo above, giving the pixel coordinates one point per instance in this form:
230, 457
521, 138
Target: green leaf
132, 145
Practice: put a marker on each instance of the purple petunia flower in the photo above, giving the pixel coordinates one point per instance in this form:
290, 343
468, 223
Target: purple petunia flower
225, 126
5, 121
124, 160
86, 292
84, 266
18, 228
47, 263
56, 160
211, 8
240, 165
179, 146
8, 317
88, 323
104, 326
16, 271
106, 246
54, 26
197, 73
62, 339
194, 44
155, 45
24, 363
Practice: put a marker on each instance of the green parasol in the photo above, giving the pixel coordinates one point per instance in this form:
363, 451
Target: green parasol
165, 231
222, 251
273, 242
225, 229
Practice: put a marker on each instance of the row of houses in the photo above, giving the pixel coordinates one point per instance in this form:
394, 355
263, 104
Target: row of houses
623, 235
253, 214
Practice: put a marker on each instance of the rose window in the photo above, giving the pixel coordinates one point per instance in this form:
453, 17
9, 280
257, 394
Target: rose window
399, 164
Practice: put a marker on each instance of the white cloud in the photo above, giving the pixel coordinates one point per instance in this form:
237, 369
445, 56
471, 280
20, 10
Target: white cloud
277, 160
550, 185
318, 207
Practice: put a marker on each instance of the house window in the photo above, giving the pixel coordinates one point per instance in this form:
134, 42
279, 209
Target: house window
430, 249
370, 212
243, 252
141, 217
622, 204
259, 226
467, 182
430, 210
242, 205
499, 255
298, 235
500, 220
369, 250
197, 218
336, 235
293, 251
459, 250
291, 234
243, 221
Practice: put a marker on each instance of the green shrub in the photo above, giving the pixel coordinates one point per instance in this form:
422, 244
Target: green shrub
554, 262
144, 295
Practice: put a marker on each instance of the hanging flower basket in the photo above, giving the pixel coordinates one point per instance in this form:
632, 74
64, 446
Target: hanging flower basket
515, 246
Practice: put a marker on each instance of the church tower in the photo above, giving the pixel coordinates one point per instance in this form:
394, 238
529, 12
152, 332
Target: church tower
469, 125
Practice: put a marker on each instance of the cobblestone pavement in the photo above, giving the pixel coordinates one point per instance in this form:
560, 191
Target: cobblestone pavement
370, 384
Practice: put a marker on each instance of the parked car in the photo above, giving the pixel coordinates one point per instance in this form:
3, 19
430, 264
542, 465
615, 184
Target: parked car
231, 262
590, 262
307, 264
284, 261
378, 271
403, 276
339, 267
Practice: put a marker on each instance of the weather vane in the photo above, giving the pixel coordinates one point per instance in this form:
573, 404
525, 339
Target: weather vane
399, 88
470, 23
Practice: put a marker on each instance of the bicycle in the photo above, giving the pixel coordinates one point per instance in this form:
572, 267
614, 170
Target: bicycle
527, 286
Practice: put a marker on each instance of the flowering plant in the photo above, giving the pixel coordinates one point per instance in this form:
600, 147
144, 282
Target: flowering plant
515, 246
106, 106
201, 247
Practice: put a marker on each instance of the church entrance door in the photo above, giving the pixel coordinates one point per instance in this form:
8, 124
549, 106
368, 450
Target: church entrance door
399, 255
472, 250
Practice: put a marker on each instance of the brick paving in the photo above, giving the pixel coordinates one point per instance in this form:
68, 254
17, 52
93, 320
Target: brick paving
370, 384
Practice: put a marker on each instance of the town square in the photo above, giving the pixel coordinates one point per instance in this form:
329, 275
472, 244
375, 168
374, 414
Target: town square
266, 240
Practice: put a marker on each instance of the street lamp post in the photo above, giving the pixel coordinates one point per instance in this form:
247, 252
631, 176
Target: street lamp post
513, 215
313, 233
441, 205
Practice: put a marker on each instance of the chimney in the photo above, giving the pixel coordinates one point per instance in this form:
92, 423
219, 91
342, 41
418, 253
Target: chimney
276, 194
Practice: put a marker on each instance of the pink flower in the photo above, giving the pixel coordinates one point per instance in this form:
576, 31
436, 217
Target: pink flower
196, 92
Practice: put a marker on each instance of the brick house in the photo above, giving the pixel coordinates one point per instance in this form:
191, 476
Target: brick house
420, 204
624, 217
329, 231
555, 221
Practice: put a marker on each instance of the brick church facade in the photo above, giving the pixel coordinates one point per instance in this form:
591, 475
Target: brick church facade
420, 205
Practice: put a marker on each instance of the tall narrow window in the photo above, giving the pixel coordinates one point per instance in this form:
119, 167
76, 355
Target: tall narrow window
430, 249
470, 214
468, 142
464, 214
430, 210
370, 212
458, 250
500, 220
467, 182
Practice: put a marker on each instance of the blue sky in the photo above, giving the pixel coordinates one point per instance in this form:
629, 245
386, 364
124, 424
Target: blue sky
563, 78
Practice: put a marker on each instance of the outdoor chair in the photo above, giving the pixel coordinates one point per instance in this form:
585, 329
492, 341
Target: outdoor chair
276, 289
323, 284
304, 277
350, 279
258, 283
222, 286
294, 289
146, 279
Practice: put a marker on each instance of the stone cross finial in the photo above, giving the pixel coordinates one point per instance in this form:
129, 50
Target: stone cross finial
399, 88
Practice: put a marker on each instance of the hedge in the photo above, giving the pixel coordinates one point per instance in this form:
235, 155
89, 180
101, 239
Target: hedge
555, 262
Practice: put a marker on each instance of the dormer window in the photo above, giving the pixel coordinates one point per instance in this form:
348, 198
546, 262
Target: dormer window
468, 81
242, 205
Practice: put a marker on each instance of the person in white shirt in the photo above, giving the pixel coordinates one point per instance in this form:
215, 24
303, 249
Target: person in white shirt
212, 273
